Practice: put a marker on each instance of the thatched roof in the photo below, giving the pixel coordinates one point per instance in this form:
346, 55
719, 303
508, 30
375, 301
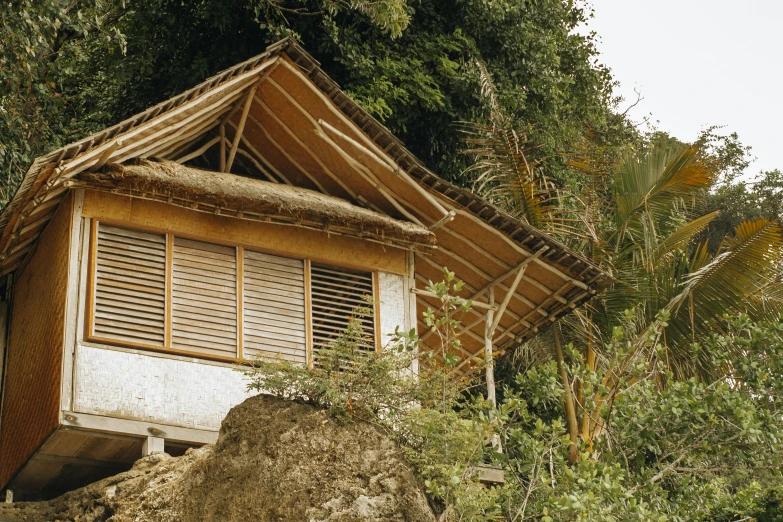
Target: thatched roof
248, 198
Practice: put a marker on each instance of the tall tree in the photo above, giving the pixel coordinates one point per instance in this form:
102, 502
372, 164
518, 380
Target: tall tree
640, 216
77, 66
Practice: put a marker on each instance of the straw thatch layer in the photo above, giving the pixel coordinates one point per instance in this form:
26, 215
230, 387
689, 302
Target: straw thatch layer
240, 196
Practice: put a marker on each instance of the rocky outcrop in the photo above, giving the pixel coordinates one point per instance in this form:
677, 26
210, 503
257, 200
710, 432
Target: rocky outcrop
274, 461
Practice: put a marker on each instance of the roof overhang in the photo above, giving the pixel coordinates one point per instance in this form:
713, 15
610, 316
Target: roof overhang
284, 119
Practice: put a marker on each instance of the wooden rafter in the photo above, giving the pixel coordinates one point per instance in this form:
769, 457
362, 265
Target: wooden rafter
365, 173
326, 170
287, 156
240, 128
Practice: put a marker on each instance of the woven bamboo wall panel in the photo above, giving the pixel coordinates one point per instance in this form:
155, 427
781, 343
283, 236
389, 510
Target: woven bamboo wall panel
204, 298
274, 307
336, 296
34, 357
155, 389
391, 290
130, 284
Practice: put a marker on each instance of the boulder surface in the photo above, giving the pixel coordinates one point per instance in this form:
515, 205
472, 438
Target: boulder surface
274, 460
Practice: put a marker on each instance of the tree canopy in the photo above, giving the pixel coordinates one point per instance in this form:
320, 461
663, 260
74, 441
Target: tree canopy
69, 68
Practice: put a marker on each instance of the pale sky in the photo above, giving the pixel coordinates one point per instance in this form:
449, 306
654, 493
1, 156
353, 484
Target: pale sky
699, 63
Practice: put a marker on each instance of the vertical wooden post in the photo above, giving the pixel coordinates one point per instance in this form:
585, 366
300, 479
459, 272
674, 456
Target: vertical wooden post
411, 310
168, 273
240, 300
489, 360
488, 349
308, 315
152, 445
91, 270
222, 148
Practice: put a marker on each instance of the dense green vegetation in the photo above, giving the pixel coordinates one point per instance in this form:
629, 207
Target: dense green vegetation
695, 449
68, 68
658, 401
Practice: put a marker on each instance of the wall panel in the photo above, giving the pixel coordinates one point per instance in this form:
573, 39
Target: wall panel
193, 394
289, 240
31, 401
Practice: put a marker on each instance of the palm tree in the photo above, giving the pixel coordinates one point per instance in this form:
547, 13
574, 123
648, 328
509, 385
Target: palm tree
637, 216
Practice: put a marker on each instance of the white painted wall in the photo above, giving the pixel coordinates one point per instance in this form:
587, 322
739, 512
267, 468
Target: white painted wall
392, 297
189, 393
184, 392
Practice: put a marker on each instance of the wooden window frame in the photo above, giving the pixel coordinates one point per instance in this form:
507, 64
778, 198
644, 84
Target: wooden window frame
89, 323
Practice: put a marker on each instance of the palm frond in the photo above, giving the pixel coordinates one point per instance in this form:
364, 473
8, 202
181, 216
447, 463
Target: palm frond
679, 239
649, 186
729, 283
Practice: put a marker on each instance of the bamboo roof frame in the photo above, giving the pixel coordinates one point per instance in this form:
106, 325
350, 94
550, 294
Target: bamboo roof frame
238, 110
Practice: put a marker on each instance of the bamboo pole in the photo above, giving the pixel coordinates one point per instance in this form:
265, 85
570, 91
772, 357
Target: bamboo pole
570, 408
222, 148
367, 176
287, 156
427, 293
241, 127
198, 152
488, 360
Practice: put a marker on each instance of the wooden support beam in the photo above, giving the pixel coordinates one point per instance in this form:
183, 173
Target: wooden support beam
261, 159
513, 288
287, 156
104, 157
116, 425
198, 152
165, 136
506, 299
442, 221
240, 128
256, 164
365, 173
472, 335
331, 175
217, 96
410, 181
152, 445
551, 317
222, 139
473, 311
427, 293
488, 360
171, 139
519, 248
485, 275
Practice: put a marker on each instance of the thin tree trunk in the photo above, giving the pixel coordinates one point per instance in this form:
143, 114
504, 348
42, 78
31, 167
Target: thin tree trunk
570, 409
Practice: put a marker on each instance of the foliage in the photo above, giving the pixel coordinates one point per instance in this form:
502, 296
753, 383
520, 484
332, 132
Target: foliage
442, 429
69, 68
695, 450
738, 201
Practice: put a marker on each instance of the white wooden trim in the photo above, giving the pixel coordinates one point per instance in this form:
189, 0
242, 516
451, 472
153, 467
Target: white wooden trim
104, 424
72, 308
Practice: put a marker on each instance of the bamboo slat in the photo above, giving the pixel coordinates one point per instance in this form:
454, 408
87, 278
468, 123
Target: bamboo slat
335, 294
274, 307
129, 285
204, 279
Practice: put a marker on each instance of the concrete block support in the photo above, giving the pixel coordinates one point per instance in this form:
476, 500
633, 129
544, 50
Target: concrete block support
151, 446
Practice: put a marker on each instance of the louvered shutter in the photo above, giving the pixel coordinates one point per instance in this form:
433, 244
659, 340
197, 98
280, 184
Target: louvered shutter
273, 302
204, 298
130, 285
336, 294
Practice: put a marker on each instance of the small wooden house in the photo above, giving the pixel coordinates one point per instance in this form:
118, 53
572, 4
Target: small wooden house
247, 216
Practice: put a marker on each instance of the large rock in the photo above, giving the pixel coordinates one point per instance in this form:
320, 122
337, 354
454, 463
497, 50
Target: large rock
274, 461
